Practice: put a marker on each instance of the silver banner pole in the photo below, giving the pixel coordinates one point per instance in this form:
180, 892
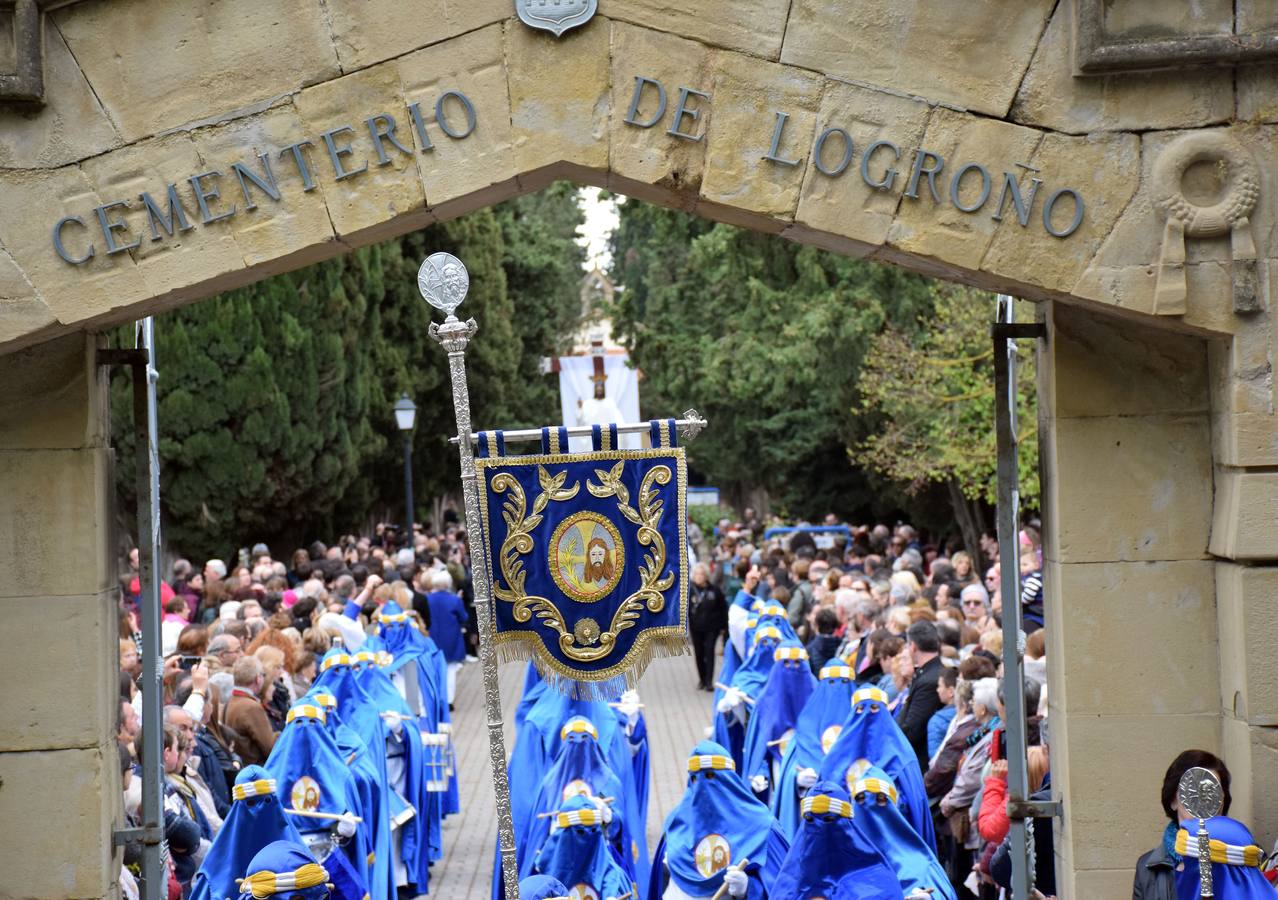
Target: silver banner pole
443, 282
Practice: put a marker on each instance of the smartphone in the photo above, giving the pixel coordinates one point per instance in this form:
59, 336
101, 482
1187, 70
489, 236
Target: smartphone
187, 663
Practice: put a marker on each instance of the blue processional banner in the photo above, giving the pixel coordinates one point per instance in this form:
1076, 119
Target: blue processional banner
587, 556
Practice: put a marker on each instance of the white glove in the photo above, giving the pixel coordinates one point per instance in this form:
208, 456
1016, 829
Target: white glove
346, 826
806, 778
918, 894
730, 700
629, 707
605, 811
758, 783
737, 881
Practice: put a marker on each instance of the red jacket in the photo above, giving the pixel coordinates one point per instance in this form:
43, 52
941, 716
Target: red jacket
993, 824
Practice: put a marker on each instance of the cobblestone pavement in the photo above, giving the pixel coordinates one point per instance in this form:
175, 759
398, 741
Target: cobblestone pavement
677, 716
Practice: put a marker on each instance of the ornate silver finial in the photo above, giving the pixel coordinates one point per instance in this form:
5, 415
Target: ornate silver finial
1200, 794
443, 282
694, 424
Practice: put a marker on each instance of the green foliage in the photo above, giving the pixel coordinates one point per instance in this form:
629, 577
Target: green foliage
707, 517
275, 400
766, 338
934, 392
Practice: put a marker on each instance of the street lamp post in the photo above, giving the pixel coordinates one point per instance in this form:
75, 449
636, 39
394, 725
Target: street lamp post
406, 418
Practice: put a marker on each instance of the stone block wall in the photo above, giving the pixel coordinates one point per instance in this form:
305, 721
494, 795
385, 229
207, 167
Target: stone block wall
60, 795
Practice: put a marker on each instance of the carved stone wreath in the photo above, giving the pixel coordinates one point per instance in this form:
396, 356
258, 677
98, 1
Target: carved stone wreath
585, 642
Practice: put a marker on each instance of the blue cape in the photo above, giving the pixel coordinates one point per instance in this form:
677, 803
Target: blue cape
882, 826
373, 795
537, 745
826, 853
311, 773
870, 733
251, 824
1229, 882
776, 711
719, 820
579, 766
422, 842
285, 856
753, 673
816, 730
579, 855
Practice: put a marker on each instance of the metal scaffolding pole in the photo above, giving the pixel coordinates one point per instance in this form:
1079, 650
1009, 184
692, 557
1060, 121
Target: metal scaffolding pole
1005, 333
154, 882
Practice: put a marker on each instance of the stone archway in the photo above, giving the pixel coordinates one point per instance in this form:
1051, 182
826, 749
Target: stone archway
186, 147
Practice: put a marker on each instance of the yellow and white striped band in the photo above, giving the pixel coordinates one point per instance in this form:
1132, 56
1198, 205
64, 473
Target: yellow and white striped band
365, 656
340, 659
325, 699
588, 817
772, 609
756, 605
823, 804
306, 711
874, 786
770, 632
266, 884
829, 673
873, 694
578, 726
782, 654
1228, 854
710, 761
392, 618
259, 788
751, 623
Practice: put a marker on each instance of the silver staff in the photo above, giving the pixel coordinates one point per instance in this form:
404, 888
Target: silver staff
1200, 795
443, 281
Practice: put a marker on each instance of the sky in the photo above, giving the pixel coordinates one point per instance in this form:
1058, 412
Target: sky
601, 219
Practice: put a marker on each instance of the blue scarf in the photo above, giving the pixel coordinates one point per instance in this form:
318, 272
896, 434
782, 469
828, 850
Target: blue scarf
869, 733
879, 824
827, 853
252, 823
578, 855
1231, 882
717, 805
311, 773
580, 766
819, 724
776, 711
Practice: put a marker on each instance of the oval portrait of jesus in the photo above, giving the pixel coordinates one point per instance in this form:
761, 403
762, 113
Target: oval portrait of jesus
586, 556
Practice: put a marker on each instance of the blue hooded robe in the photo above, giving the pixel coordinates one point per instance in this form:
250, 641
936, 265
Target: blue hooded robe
1229, 881
869, 733
776, 711
879, 821
577, 853
826, 857
309, 879
580, 768
537, 745
310, 773
749, 679
374, 800
718, 823
255, 819
815, 732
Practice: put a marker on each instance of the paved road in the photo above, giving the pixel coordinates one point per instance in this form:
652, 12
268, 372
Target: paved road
677, 716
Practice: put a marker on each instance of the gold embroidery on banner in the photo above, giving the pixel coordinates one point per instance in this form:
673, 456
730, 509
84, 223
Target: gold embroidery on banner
509, 587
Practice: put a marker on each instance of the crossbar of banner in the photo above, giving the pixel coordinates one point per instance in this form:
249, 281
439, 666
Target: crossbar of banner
689, 427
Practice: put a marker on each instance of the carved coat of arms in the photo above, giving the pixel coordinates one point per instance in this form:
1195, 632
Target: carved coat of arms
555, 15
